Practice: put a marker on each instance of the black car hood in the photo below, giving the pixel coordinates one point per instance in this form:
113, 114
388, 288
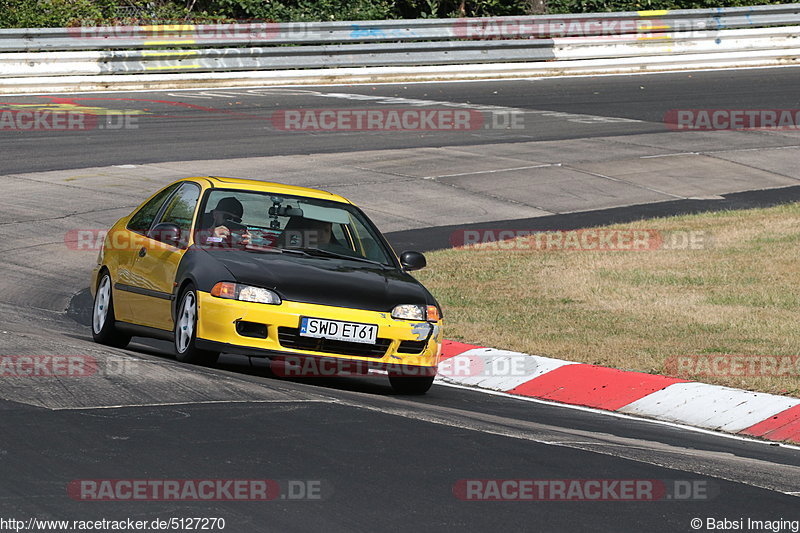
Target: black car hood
324, 281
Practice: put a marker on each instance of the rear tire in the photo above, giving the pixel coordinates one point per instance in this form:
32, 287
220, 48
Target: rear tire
186, 332
411, 385
104, 329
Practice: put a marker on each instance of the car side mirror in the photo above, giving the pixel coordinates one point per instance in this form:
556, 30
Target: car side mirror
412, 260
166, 232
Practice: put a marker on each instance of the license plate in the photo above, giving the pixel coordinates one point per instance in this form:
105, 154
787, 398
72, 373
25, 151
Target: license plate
338, 331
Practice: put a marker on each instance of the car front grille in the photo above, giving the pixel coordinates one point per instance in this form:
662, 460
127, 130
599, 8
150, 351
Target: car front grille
290, 338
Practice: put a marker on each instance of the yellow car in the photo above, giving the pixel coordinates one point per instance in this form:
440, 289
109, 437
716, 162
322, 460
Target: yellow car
296, 275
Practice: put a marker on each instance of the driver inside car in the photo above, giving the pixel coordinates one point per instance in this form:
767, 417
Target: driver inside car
217, 225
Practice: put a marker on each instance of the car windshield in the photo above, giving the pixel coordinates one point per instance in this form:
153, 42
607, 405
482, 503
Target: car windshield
274, 222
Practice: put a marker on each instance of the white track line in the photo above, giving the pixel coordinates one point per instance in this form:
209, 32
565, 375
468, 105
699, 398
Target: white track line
173, 404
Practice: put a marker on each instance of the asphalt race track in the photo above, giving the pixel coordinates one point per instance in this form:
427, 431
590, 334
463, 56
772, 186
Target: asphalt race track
589, 151
235, 123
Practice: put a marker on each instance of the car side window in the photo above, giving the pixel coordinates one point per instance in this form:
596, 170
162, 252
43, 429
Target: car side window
142, 220
180, 209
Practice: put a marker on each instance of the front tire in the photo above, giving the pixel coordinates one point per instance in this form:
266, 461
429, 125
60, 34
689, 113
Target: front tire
186, 332
104, 329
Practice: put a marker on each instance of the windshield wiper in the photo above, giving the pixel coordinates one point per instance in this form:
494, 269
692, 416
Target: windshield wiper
312, 252
273, 250
262, 249
327, 253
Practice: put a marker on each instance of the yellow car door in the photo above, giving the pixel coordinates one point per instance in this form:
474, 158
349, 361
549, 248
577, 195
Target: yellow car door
156, 262
123, 242
120, 252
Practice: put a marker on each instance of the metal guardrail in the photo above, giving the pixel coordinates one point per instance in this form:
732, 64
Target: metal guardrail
90, 50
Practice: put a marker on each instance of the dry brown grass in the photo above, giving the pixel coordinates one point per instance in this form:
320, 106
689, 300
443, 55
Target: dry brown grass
634, 310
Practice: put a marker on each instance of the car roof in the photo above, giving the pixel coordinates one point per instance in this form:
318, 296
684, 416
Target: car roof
272, 187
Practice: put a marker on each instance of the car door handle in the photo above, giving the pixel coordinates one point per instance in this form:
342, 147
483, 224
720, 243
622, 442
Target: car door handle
143, 252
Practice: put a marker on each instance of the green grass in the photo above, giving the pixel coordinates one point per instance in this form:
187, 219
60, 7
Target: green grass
635, 310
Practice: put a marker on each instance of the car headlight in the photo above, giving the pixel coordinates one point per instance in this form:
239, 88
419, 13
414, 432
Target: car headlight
416, 312
245, 293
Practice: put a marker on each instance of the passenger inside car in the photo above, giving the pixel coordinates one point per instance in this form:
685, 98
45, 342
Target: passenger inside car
303, 232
